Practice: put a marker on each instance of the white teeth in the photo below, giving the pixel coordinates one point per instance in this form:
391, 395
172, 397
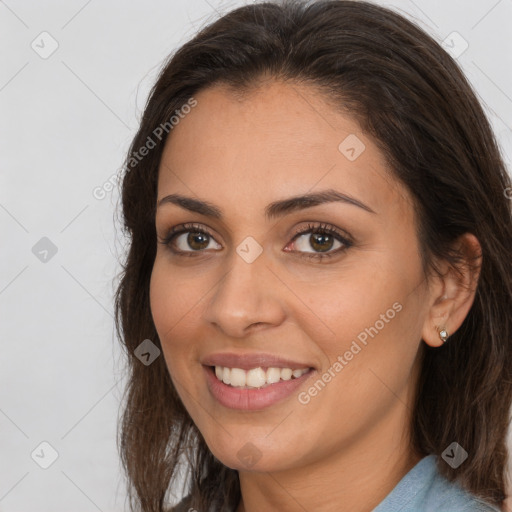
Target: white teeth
256, 377
286, 374
273, 375
237, 377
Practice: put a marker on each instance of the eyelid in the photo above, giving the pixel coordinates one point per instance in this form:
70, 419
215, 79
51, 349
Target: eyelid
322, 226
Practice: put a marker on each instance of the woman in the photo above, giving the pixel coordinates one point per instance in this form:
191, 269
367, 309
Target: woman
319, 247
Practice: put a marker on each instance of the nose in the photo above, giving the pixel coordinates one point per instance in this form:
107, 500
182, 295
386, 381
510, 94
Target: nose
248, 298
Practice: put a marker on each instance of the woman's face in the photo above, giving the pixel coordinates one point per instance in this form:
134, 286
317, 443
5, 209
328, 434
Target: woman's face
253, 294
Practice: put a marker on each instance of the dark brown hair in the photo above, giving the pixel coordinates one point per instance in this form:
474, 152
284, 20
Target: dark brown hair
411, 97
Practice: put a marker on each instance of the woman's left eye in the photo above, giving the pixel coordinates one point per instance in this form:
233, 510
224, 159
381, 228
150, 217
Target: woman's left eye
322, 238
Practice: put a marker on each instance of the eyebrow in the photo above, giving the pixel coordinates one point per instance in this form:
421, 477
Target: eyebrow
273, 210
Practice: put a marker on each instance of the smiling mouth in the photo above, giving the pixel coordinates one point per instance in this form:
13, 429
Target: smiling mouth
256, 378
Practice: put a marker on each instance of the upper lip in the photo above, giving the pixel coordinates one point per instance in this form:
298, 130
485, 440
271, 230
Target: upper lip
255, 360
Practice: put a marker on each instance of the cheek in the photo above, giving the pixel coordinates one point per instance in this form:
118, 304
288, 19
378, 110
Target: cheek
370, 313
162, 300
369, 346
337, 304
174, 307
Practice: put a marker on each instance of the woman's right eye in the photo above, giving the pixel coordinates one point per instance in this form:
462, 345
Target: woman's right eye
196, 239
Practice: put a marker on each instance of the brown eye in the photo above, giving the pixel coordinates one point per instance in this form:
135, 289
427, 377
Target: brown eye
188, 239
321, 241
197, 241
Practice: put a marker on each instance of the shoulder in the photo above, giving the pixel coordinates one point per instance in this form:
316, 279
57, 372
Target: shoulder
450, 497
424, 489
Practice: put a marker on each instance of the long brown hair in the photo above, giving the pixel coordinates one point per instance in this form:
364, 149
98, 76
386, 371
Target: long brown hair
412, 98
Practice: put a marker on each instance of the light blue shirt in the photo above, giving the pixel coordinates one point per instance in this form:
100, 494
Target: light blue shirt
424, 489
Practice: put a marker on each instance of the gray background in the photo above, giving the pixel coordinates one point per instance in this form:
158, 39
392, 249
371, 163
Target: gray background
66, 122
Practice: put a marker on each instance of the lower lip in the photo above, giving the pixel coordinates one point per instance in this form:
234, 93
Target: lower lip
252, 399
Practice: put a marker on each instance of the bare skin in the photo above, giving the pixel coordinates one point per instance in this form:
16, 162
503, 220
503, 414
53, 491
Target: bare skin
348, 446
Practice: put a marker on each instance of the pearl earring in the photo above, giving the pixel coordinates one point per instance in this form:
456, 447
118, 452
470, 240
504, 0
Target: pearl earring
443, 334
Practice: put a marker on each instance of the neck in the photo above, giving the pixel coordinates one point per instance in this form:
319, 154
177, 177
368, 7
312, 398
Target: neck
356, 477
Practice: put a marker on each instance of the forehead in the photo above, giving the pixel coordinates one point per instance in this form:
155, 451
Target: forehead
277, 140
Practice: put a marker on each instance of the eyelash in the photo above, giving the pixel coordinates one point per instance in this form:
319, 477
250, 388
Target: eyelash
317, 229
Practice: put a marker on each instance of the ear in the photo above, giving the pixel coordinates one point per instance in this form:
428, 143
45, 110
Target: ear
452, 294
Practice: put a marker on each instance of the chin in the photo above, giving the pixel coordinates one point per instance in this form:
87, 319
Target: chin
251, 453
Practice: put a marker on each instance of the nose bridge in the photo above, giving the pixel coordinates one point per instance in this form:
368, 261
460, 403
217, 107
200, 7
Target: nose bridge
244, 295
